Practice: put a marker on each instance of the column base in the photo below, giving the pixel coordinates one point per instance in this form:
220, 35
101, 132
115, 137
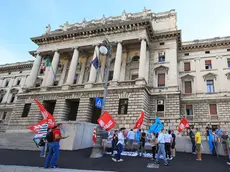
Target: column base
88, 85
140, 81
113, 83
65, 87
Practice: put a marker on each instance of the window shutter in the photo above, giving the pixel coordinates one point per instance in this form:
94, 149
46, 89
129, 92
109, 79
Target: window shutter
208, 62
213, 110
187, 66
188, 87
161, 79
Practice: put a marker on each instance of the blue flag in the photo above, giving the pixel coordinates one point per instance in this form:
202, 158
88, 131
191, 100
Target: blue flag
138, 136
95, 62
210, 140
156, 127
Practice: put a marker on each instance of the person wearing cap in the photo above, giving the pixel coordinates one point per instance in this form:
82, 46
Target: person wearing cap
120, 145
54, 147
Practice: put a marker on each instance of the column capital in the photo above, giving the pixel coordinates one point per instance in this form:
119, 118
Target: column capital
95, 45
142, 39
118, 41
37, 53
55, 50
75, 47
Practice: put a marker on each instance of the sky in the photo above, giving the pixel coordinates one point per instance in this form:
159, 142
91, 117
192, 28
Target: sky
21, 20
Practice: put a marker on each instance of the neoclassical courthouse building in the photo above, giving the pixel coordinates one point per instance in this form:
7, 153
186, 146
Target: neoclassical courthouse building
151, 69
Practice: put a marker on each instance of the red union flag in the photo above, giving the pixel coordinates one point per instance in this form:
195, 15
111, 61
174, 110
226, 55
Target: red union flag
106, 121
40, 128
46, 114
139, 121
183, 124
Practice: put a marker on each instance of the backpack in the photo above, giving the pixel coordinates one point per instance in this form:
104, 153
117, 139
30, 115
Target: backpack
49, 135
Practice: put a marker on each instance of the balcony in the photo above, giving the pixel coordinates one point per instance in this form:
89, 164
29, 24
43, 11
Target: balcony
202, 96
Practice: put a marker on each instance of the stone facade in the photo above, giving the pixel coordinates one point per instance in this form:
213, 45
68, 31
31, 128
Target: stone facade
150, 69
12, 80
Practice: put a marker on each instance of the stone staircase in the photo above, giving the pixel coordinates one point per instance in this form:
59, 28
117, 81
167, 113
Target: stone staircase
21, 141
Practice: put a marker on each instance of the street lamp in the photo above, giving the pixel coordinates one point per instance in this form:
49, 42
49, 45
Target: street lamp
97, 152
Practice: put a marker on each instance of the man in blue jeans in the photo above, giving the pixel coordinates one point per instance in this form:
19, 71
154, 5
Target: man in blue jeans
161, 147
54, 147
120, 145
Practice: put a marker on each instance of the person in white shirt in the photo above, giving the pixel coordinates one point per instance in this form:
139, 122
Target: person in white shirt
168, 141
130, 137
161, 147
120, 145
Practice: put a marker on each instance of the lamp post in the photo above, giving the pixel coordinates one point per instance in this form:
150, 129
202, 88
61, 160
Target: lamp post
97, 152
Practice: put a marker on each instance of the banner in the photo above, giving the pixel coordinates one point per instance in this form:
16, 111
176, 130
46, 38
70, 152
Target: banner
183, 124
46, 114
40, 128
106, 121
139, 121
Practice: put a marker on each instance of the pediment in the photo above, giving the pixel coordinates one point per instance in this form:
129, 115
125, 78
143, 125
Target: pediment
161, 67
209, 75
187, 77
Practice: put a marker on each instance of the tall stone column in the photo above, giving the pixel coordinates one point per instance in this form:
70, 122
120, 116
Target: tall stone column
63, 74
102, 70
93, 70
142, 62
53, 69
83, 65
117, 66
30, 82
123, 66
73, 67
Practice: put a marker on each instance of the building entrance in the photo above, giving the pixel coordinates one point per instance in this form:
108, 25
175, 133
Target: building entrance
72, 106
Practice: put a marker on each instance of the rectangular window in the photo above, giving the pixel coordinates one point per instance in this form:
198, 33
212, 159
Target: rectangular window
188, 87
26, 110
189, 110
160, 106
123, 106
213, 109
187, 66
207, 52
228, 62
162, 43
208, 64
134, 76
186, 54
161, 80
110, 75
7, 83
161, 56
4, 115
210, 86
75, 79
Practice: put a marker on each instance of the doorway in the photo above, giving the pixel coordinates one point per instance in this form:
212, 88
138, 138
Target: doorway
49, 105
96, 112
72, 106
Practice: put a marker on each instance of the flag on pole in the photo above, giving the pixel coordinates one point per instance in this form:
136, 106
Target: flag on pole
157, 126
48, 62
139, 121
106, 121
40, 128
46, 114
95, 62
183, 124
94, 138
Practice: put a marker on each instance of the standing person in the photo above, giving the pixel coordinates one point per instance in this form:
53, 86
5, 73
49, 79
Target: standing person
218, 133
198, 145
53, 138
228, 146
192, 137
130, 137
224, 138
141, 146
120, 145
173, 144
207, 131
161, 147
168, 141
114, 141
154, 144
214, 143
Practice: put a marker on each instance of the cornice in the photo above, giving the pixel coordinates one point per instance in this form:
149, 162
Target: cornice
15, 66
96, 30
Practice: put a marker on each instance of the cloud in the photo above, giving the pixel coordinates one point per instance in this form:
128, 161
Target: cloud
7, 55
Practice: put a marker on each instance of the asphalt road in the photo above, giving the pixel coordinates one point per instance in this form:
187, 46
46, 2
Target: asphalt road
80, 160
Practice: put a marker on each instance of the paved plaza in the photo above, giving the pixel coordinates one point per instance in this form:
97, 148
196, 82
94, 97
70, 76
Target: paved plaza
80, 160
